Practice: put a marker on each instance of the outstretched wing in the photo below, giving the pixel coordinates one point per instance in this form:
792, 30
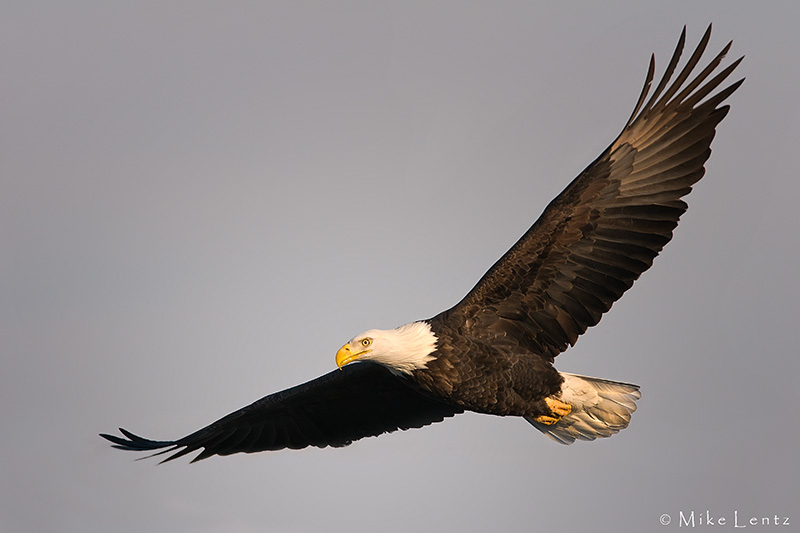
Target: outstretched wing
596, 237
361, 400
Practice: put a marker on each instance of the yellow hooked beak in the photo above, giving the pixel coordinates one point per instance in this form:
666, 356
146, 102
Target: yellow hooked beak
345, 355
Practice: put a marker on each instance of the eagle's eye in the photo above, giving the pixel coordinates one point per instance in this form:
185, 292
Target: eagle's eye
366, 342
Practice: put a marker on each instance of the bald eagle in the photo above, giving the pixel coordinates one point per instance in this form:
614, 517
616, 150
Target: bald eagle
493, 352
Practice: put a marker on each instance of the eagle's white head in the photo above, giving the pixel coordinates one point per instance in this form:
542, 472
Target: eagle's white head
402, 349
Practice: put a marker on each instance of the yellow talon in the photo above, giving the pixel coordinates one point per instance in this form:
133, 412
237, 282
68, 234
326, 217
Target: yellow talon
558, 407
547, 420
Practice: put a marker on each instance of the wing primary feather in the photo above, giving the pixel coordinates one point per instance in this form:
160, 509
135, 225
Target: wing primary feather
673, 63
715, 100
711, 85
700, 78
645, 89
687, 70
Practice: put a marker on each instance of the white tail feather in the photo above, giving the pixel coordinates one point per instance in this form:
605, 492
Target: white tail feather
600, 408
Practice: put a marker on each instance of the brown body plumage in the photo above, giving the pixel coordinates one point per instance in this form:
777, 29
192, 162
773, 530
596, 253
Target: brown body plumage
485, 377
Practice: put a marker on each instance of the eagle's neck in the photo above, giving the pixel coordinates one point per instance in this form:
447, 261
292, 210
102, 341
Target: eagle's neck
409, 347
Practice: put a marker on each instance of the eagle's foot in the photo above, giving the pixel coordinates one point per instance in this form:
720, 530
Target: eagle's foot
546, 420
558, 409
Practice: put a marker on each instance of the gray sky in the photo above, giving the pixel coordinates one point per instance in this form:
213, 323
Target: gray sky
200, 202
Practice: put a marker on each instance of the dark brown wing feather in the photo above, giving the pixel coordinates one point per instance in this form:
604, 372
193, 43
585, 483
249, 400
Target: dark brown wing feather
607, 226
361, 400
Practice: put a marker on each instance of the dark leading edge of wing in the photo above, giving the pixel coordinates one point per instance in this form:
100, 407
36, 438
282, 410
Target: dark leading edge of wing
361, 400
595, 239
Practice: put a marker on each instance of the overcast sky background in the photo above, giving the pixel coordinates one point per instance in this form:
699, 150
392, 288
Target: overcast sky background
200, 202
